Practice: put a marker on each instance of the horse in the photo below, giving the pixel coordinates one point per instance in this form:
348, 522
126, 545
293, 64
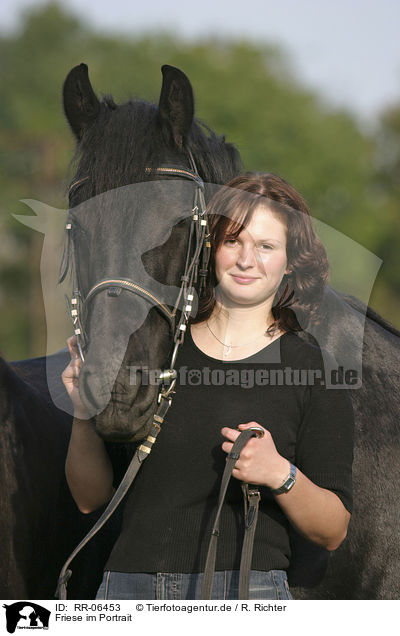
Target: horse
120, 145
40, 522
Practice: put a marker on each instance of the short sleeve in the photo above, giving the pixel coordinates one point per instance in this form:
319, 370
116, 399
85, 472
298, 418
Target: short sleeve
324, 449
120, 455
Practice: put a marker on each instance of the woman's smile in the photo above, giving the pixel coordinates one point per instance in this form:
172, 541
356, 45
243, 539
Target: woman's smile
241, 279
250, 267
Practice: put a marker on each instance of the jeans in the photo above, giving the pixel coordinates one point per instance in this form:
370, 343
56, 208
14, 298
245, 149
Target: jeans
178, 587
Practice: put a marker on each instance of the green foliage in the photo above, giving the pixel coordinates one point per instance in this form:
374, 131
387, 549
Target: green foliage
387, 185
245, 90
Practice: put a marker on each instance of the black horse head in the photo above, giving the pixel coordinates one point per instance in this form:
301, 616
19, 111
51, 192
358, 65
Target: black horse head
127, 224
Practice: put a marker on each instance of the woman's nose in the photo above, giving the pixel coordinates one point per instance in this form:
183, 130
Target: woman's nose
246, 256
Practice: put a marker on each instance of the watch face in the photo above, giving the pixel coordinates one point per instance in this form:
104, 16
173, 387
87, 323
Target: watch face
290, 483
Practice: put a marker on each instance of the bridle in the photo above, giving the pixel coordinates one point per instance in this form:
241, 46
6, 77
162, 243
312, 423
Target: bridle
198, 247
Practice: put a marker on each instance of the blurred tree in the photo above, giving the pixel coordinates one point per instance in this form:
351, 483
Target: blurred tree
244, 90
386, 296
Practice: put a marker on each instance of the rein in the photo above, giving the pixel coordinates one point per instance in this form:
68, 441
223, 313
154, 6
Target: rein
251, 496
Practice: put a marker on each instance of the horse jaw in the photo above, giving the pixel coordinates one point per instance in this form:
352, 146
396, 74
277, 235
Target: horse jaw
120, 389
115, 422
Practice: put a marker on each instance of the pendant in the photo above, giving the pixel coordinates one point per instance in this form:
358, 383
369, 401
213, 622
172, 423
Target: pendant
229, 349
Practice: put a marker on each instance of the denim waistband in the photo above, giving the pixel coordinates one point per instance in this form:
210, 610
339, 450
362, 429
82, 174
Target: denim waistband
270, 585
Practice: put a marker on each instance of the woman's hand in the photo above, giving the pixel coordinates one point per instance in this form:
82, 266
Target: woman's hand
317, 513
70, 378
259, 462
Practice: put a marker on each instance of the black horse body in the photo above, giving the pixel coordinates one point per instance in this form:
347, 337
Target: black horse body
32, 451
366, 565
116, 146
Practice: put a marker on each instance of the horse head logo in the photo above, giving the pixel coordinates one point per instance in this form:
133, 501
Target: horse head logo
24, 614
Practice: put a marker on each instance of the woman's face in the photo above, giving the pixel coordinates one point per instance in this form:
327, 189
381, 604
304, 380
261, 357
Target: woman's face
250, 268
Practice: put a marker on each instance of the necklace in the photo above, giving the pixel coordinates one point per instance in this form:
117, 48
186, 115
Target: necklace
230, 347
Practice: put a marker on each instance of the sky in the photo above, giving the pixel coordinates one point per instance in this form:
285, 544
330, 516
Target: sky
346, 49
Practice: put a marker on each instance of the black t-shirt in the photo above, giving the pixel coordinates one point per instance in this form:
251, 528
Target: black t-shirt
171, 506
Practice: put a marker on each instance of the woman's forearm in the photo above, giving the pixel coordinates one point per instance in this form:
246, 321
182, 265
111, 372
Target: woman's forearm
88, 468
316, 513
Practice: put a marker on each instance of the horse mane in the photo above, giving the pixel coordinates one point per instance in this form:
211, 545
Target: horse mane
126, 139
358, 305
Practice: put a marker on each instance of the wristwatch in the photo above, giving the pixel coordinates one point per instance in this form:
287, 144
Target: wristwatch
288, 483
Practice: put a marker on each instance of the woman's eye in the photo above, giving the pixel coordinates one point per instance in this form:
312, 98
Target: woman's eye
266, 246
230, 242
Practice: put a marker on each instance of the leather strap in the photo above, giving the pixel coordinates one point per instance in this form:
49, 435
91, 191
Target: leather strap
252, 497
251, 502
141, 453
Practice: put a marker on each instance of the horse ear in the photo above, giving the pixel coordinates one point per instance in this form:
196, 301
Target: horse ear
81, 105
176, 105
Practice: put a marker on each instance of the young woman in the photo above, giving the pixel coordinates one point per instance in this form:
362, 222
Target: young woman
242, 364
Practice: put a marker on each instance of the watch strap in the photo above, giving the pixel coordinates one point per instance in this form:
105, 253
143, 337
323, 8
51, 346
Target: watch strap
288, 483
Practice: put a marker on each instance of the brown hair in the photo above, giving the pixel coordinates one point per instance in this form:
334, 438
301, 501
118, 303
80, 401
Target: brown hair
231, 209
